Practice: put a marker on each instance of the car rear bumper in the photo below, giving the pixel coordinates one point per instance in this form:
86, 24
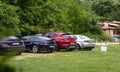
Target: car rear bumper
12, 48
46, 47
69, 45
88, 45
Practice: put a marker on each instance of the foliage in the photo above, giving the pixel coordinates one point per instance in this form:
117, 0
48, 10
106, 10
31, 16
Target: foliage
115, 12
51, 15
26, 17
4, 59
9, 19
103, 8
107, 9
100, 38
118, 29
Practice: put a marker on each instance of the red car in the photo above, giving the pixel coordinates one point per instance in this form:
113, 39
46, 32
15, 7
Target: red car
63, 40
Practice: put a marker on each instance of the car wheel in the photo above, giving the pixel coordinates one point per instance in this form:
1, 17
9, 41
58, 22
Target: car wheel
49, 50
35, 49
70, 49
67, 49
88, 49
78, 47
57, 47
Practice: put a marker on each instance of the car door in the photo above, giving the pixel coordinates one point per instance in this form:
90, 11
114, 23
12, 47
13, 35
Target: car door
26, 42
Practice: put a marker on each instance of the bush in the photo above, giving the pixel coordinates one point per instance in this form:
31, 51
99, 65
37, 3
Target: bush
4, 67
99, 38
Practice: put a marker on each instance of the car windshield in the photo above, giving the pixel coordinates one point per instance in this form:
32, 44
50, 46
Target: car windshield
25, 37
66, 35
43, 38
83, 37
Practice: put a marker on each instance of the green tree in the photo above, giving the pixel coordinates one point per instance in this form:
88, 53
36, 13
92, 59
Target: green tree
9, 20
4, 66
56, 15
103, 8
38, 16
115, 12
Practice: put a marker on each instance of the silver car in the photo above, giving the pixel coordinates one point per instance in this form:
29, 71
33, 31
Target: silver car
84, 42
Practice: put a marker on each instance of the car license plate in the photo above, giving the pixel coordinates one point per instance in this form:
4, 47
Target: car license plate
52, 46
72, 43
15, 43
71, 46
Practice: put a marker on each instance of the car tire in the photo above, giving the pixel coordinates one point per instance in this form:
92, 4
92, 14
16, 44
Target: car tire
88, 49
78, 47
57, 47
49, 50
68, 49
35, 49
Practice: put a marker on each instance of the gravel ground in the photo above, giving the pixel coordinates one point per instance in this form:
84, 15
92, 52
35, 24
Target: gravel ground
30, 55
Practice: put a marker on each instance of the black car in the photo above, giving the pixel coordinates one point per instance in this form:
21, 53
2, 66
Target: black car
36, 43
11, 44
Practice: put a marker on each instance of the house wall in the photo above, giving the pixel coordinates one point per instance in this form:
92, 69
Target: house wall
109, 32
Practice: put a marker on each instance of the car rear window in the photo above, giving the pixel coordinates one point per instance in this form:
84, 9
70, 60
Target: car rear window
9, 38
38, 38
65, 35
84, 37
43, 38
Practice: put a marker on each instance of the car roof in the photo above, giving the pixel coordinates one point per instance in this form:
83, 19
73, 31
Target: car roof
78, 35
42, 37
10, 37
58, 32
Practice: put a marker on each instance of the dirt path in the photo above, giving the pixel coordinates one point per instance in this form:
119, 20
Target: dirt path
30, 55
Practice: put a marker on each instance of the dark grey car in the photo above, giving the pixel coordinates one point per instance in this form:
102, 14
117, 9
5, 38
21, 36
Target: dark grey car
36, 43
11, 44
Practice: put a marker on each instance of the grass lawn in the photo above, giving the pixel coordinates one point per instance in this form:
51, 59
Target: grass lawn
74, 61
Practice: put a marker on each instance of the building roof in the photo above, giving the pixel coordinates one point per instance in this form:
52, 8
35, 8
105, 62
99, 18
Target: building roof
107, 27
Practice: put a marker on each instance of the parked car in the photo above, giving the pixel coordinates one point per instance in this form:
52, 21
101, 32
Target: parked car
84, 42
36, 43
11, 44
63, 40
116, 38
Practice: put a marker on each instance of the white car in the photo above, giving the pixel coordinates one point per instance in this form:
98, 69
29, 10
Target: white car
84, 42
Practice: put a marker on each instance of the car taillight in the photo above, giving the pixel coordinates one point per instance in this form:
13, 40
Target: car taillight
43, 42
64, 39
86, 41
21, 42
4, 42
